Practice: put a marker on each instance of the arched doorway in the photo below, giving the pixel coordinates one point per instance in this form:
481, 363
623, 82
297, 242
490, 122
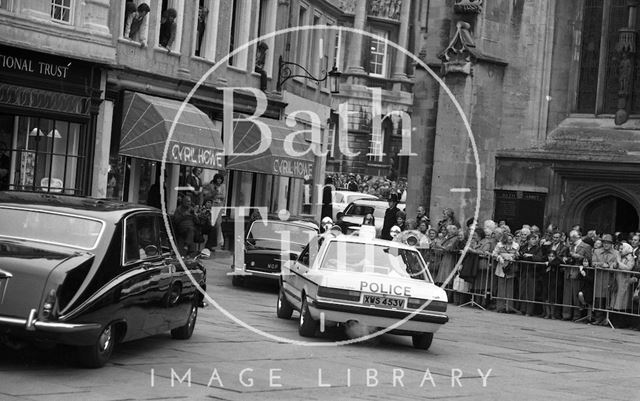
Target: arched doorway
610, 214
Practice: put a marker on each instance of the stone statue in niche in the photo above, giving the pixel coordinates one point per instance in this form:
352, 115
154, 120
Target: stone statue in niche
389, 9
468, 6
348, 6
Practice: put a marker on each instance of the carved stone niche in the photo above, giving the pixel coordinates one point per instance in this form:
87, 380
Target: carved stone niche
348, 6
389, 9
468, 6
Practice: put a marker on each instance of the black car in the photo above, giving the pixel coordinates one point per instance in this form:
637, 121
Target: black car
90, 273
268, 241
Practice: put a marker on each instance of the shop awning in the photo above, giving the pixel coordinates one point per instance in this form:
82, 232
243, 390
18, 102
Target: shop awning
275, 160
146, 123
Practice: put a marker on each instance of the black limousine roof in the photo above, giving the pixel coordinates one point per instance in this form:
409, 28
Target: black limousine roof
70, 204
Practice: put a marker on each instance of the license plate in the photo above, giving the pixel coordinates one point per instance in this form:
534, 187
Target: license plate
383, 301
272, 266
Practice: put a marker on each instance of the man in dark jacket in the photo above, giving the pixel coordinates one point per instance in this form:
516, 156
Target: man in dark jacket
390, 217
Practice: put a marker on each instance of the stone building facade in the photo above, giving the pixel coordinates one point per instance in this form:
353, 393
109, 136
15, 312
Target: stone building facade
549, 91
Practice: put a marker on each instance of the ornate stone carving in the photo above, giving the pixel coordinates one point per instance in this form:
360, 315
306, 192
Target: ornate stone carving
459, 55
389, 9
348, 6
626, 48
468, 6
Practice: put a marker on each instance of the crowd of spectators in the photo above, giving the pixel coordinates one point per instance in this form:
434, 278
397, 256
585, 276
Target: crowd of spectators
580, 276
382, 187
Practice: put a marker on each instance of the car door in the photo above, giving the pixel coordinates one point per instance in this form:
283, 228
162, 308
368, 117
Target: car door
296, 281
146, 290
180, 287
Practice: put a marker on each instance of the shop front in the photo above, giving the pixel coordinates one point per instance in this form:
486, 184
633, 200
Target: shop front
48, 111
275, 178
147, 138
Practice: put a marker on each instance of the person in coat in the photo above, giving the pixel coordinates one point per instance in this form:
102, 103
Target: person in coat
505, 254
529, 274
390, 217
573, 255
605, 259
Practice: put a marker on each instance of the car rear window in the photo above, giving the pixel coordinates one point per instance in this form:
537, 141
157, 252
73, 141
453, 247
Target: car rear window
54, 228
385, 260
276, 231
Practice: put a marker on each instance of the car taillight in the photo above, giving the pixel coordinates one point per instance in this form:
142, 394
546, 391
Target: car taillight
336, 293
435, 306
49, 304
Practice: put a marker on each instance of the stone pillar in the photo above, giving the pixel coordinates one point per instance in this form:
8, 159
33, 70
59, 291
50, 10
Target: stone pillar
354, 62
103, 143
403, 34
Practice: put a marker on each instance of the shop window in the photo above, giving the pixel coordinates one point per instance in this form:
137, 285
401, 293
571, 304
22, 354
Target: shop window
170, 25
378, 55
62, 10
43, 154
6, 5
598, 82
240, 31
206, 33
135, 21
266, 24
302, 36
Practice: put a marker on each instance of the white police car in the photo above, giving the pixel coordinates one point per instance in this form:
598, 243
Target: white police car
339, 280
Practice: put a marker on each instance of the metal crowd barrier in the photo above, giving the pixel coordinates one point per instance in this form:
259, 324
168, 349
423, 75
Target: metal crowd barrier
605, 292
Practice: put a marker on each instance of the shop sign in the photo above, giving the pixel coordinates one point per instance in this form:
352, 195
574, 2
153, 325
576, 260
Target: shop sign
292, 167
45, 69
209, 158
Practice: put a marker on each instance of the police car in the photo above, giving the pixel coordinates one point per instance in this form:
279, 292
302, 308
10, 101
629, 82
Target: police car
341, 280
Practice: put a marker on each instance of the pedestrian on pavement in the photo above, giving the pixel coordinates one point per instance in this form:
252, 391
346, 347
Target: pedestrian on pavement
574, 255
505, 253
186, 224
530, 274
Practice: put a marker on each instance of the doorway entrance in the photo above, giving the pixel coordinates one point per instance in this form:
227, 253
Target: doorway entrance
610, 214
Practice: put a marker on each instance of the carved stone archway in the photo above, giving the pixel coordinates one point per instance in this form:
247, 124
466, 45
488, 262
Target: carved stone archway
574, 210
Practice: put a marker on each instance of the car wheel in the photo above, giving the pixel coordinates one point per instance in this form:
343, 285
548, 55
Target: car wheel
307, 325
422, 341
284, 309
185, 332
96, 355
237, 281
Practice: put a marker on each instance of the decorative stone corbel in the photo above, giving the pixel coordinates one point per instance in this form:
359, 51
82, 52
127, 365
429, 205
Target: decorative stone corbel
460, 54
626, 48
468, 6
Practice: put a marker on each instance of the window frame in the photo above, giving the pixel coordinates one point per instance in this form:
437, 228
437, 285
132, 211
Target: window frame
266, 23
156, 232
302, 37
71, 9
243, 33
210, 35
177, 44
124, 24
8, 8
385, 53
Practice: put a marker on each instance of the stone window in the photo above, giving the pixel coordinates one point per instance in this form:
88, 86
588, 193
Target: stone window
205, 29
240, 32
598, 82
6, 5
266, 24
378, 55
62, 11
169, 23
302, 36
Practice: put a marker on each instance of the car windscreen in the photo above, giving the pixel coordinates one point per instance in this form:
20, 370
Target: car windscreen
355, 209
274, 231
53, 228
385, 260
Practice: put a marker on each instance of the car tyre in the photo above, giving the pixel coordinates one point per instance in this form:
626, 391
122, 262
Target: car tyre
97, 355
422, 341
237, 281
307, 325
185, 332
284, 309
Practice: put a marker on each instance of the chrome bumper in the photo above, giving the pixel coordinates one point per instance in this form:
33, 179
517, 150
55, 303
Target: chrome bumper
33, 324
